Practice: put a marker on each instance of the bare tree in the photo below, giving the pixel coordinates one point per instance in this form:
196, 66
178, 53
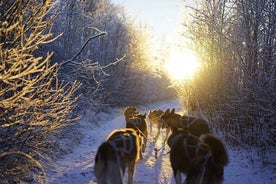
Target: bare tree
124, 43
236, 41
34, 104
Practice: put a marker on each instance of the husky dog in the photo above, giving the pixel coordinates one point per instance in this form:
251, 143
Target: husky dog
154, 118
118, 152
138, 123
130, 111
202, 159
195, 126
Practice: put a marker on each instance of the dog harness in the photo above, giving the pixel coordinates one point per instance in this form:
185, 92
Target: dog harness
181, 119
197, 157
134, 121
124, 139
198, 147
121, 138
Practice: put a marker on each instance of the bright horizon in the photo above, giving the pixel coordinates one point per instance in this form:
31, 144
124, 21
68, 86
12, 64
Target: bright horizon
164, 17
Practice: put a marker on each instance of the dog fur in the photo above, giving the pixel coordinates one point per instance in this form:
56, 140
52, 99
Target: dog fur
154, 119
201, 159
130, 112
139, 123
118, 152
195, 126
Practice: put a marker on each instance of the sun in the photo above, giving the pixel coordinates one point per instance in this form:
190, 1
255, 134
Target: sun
181, 65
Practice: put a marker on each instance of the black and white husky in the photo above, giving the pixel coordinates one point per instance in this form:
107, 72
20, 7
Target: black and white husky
120, 151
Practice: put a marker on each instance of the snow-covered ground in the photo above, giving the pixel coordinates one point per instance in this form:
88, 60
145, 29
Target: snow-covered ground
77, 167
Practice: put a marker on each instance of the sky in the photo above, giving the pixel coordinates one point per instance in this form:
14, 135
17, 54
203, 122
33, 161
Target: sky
161, 15
165, 18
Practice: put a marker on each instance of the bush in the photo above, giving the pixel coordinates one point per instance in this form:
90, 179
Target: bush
34, 104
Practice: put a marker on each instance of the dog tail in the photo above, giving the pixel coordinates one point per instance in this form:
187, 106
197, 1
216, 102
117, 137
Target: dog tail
220, 155
107, 169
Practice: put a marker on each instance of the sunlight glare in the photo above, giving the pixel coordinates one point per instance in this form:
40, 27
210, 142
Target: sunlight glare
181, 66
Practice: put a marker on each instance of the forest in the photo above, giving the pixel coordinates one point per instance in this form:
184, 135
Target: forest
64, 60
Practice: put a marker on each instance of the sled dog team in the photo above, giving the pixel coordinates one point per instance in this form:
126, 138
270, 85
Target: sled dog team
193, 150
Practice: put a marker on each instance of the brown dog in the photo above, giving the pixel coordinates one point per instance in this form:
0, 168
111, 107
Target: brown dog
201, 159
118, 152
195, 126
138, 123
130, 111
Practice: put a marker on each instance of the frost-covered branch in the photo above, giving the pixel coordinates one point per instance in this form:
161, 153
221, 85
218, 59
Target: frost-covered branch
101, 33
34, 105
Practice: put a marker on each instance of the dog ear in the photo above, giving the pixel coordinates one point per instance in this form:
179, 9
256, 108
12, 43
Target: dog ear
167, 111
145, 115
173, 111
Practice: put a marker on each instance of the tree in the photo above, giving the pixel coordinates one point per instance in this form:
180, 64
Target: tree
235, 40
120, 53
34, 105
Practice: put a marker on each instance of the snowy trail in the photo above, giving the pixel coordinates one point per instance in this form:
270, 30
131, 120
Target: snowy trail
77, 167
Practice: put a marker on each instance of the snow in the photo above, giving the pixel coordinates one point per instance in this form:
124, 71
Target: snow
77, 167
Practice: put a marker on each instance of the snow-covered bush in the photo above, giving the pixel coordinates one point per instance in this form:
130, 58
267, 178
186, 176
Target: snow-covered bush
236, 86
34, 104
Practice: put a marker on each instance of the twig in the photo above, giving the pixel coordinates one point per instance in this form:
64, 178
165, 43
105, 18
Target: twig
83, 46
115, 62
